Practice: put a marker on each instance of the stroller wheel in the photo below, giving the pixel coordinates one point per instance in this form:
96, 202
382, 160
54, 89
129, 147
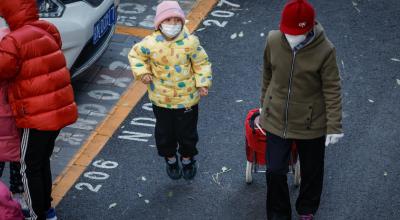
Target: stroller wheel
297, 177
249, 170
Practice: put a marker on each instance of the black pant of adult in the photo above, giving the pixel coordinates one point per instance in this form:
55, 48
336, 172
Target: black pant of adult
176, 127
16, 185
36, 149
311, 154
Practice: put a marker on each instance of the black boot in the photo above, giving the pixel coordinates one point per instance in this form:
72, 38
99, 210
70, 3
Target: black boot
173, 169
190, 169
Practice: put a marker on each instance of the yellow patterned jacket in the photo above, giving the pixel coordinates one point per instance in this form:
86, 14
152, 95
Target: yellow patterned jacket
178, 67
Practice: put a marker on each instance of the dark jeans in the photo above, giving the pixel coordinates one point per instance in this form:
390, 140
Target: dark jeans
311, 154
176, 127
36, 149
16, 185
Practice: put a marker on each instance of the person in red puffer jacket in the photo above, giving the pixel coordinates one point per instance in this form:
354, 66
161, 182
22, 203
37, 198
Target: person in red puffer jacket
40, 95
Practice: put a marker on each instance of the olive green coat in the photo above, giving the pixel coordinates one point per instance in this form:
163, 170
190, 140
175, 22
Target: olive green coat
301, 91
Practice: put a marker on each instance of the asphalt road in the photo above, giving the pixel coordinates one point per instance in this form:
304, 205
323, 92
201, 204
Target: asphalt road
362, 171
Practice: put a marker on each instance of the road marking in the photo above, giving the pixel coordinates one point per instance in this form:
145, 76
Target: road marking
98, 139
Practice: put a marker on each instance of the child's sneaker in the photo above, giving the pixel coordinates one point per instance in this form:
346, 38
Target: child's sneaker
51, 214
173, 169
189, 168
307, 217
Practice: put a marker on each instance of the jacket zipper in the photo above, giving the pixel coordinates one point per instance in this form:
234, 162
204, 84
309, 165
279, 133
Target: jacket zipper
288, 95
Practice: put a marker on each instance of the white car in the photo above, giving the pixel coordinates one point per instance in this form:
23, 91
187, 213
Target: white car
86, 28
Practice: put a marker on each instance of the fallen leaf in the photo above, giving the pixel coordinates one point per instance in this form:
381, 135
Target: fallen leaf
143, 178
146, 201
370, 100
395, 59
233, 36
385, 173
140, 195
112, 205
241, 34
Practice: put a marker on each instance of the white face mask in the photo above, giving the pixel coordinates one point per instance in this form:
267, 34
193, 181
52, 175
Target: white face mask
295, 40
171, 31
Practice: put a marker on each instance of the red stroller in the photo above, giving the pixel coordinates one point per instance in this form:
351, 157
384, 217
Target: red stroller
256, 148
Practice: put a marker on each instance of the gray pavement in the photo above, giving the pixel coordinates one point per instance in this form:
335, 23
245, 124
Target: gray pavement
127, 179
140, 13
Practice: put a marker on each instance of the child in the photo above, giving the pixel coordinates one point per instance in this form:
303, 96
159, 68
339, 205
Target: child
40, 95
301, 102
10, 141
177, 71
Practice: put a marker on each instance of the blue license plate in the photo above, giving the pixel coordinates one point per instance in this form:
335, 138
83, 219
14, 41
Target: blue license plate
104, 24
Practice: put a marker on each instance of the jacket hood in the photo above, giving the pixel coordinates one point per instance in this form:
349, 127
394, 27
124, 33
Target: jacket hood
19, 12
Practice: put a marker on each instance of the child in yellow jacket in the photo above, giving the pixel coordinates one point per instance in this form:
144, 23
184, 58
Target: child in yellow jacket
177, 71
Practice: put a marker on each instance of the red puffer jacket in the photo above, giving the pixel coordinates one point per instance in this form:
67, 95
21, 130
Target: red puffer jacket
40, 92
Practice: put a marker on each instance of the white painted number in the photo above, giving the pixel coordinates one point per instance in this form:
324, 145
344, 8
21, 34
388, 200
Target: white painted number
105, 164
211, 22
222, 14
148, 106
134, 136
92, 110
119, 64
96, 175
80, 186
104, 95
220, 3
136, 121
131, 8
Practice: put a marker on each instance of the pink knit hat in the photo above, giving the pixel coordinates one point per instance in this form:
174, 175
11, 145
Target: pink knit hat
168, 9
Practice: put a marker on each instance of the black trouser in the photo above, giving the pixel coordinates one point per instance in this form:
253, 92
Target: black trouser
176, 126
311, 153
16, 185
36, 149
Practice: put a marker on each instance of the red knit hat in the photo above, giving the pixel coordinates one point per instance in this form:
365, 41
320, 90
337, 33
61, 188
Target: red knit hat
298, 17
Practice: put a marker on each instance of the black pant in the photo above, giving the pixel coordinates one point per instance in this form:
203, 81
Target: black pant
176, 126
311, 154
36, 149
16, 185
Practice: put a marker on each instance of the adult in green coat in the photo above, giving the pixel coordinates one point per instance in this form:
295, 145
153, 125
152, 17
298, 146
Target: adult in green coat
301, 103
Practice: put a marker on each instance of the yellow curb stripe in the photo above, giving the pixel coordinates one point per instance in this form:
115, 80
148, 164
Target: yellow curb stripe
98, 139
134, 31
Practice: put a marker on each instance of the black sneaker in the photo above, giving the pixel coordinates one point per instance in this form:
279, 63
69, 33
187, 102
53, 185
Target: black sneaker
189, 170
173, 170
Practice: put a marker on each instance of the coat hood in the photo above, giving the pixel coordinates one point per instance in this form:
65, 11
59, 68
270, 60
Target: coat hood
19, 12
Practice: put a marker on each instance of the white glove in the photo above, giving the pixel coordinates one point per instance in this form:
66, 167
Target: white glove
332, 139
